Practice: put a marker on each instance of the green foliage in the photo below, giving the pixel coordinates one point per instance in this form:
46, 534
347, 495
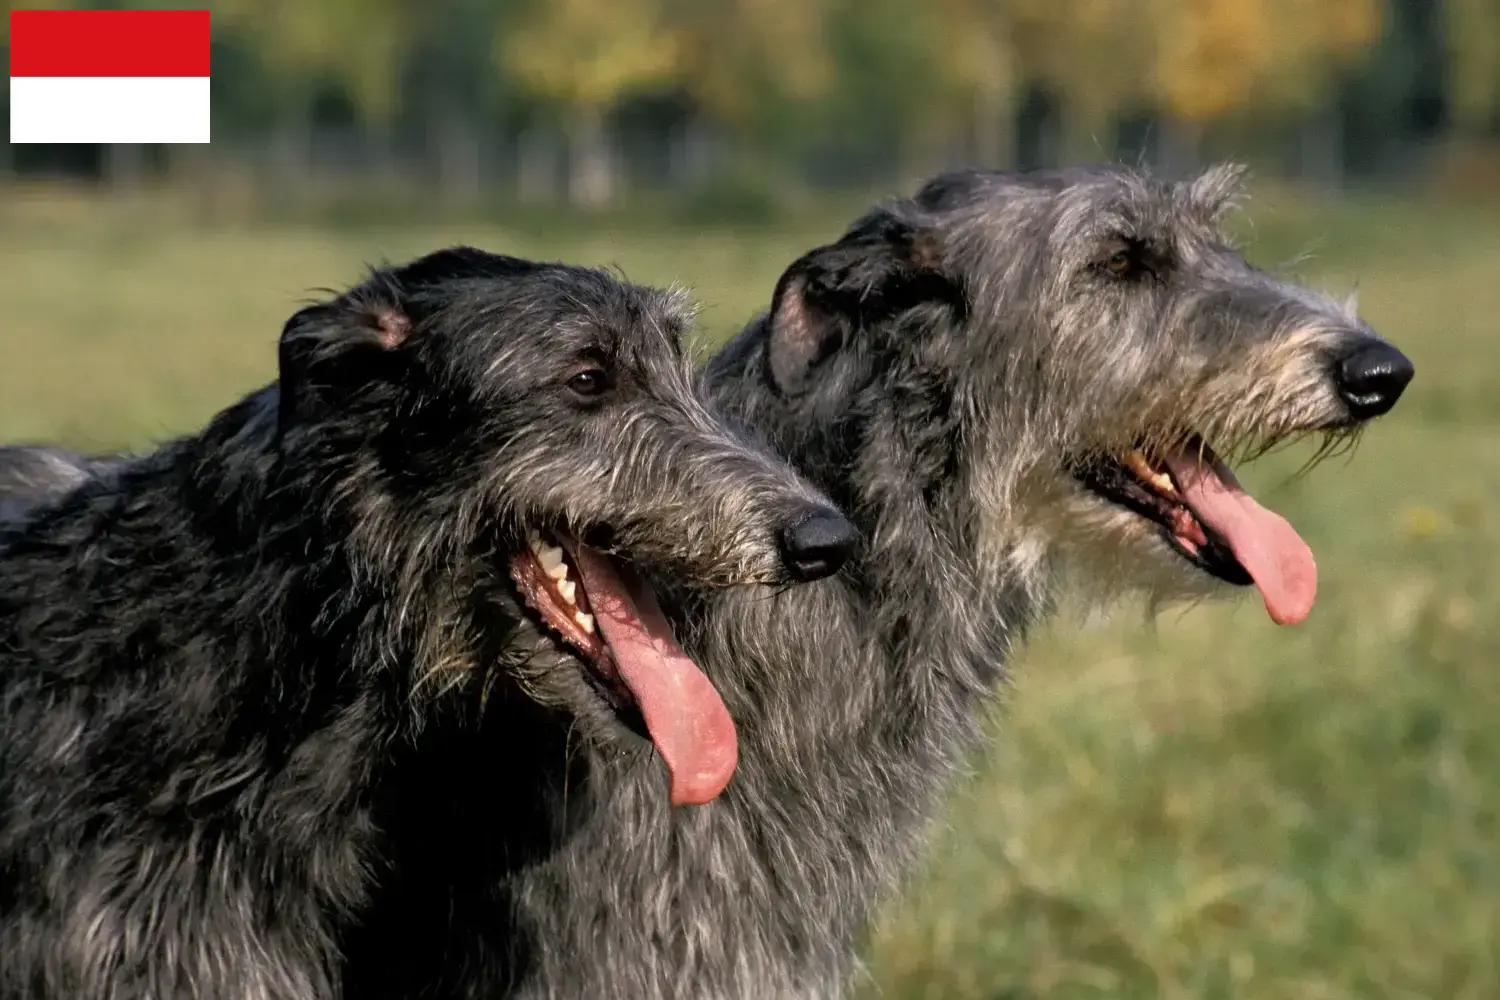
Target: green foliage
735, 197
867, 82
1473, 33
588, 55
359, 44
782, 71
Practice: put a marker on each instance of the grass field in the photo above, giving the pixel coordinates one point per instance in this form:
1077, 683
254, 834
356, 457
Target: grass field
1206, 806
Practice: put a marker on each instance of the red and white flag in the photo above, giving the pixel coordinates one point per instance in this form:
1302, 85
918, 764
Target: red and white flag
114, 76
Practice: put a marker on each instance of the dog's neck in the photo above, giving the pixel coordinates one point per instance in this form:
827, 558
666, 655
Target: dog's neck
857, 700
245, 690
292, 538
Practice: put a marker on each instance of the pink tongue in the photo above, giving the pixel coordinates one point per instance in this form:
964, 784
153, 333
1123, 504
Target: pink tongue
686, 717
1267, 546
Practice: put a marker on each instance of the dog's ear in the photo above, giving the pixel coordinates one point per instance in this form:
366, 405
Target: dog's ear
358, 341
801, 335
331, 349
1217, 191
884, 266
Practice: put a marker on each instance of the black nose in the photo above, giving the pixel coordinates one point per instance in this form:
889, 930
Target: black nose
818, 545
1372, 377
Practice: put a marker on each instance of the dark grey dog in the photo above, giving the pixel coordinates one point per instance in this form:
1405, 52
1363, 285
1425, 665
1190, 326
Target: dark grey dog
1011, 384
213, 653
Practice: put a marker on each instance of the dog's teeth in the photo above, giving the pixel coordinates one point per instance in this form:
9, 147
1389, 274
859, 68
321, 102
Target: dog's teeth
585, 621
1162, 481
559, 572
551, 557
566, 589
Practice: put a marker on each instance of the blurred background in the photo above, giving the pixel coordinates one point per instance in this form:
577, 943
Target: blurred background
1198, 805
744, 105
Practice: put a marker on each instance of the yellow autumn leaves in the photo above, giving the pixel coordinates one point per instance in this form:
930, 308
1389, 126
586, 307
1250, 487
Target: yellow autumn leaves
1197, 61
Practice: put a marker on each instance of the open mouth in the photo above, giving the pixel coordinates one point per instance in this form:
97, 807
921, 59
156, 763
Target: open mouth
608, 618
1209, 519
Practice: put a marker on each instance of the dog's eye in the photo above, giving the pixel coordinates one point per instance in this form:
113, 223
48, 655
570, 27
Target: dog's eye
1121, 264
589, 382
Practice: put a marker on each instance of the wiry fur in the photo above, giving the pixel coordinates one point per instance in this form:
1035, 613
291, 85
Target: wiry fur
938, 371
31, 474
211, 655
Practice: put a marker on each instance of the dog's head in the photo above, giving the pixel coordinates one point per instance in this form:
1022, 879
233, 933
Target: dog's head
534, 432
1073, 351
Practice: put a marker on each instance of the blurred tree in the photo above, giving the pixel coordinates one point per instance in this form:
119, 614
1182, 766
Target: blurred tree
844, 90
1217, 59
451, 92
351, 50
1473, 32
742, 60
359, 44
1093, 57
1210, 55
1315, 44
978, 57
900, 84
887, 96
585, 55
